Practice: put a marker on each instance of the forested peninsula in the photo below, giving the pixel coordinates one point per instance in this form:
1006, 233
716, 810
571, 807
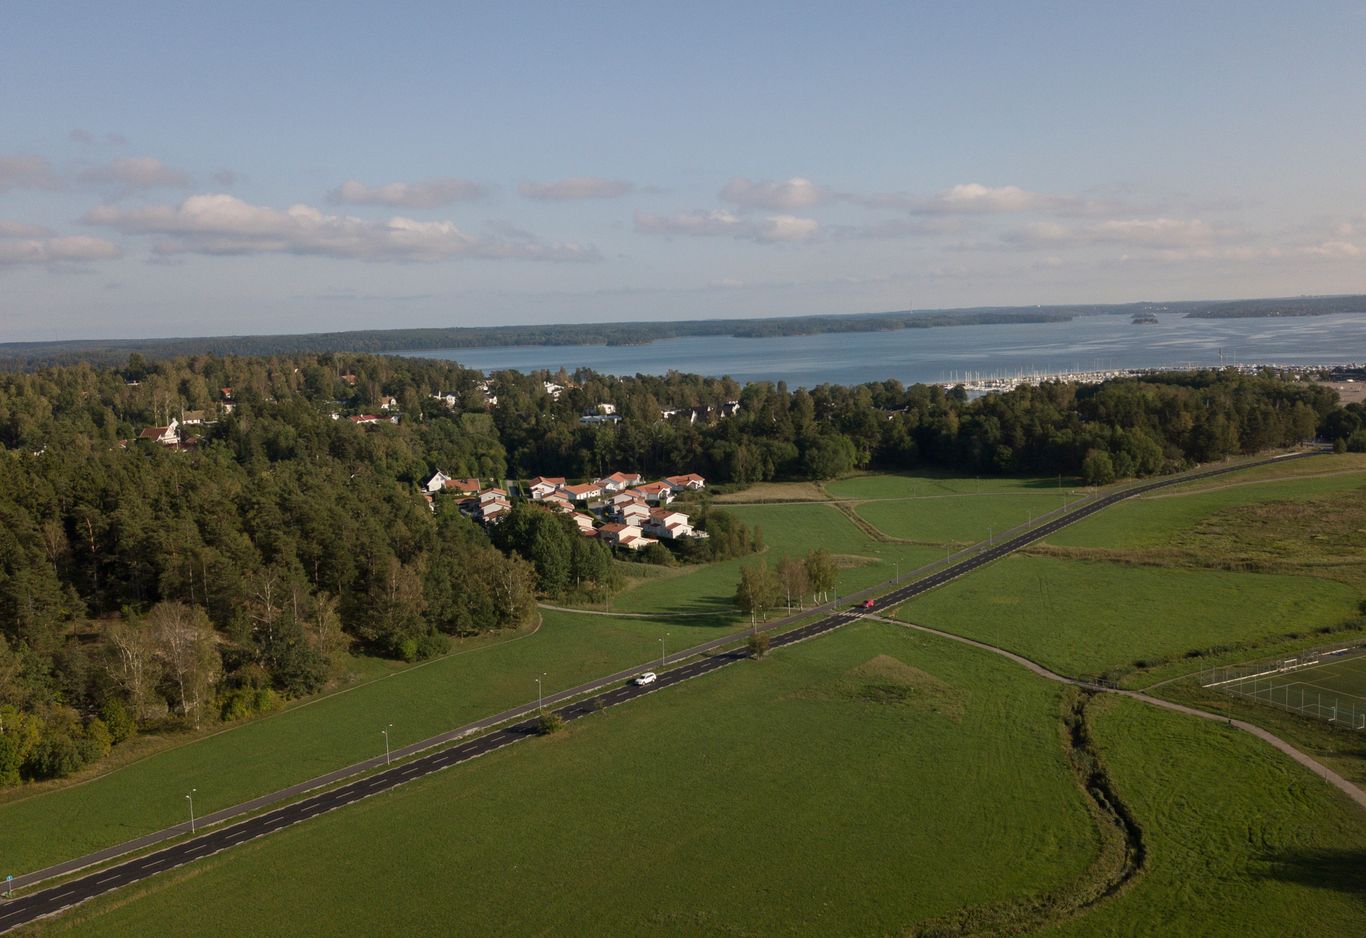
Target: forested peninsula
171, 582
108, 352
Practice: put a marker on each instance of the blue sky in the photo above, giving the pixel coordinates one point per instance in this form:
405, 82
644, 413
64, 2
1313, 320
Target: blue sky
188, 169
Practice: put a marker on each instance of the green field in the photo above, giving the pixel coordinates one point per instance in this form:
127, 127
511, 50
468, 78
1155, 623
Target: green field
929, 485
1240, 841
788, 530
1155, 520
955, 519
271, 753
851, 785
1085, 618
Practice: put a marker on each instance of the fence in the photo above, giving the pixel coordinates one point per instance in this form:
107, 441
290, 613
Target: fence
1325, 683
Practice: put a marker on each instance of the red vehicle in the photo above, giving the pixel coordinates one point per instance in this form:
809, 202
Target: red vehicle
868, 604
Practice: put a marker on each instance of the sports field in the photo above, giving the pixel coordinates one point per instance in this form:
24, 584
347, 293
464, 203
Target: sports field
1333, 689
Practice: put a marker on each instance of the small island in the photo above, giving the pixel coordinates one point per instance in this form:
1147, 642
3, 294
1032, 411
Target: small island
1144, 319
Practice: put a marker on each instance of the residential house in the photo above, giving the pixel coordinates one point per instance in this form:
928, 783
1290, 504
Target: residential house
581, 493
168, 435
690, 482
557, 502
447, 398
348, 379
633, 513
590, 419
366, 419
437, 483
585, 523
619, 481
656, 493
194, 418
666, 523
388, 403
461, 486
625, 535
541, 486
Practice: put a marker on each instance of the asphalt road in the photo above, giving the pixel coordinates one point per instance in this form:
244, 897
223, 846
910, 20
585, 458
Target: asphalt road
77, 890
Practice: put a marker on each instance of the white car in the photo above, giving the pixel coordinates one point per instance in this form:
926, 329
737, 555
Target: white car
649, 677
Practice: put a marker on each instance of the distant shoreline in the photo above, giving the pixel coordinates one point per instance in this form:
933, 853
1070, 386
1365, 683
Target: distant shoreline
25, 355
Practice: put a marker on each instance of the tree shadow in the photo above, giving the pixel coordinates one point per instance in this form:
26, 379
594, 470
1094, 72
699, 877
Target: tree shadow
1339, 870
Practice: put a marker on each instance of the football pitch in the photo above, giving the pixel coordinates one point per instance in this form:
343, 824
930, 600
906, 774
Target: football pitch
1330, 686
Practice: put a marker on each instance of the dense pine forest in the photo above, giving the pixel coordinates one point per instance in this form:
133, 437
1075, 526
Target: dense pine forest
146, 585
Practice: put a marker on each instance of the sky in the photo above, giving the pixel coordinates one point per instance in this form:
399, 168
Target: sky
219, 168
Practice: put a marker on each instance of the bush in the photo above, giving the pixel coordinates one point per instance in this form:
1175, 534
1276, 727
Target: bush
118, 720
549, 722
53, 757
758, 645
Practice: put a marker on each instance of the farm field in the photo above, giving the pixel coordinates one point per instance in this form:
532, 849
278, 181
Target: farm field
930, 485
266, 754
1240, 840
855, 784
1085, 618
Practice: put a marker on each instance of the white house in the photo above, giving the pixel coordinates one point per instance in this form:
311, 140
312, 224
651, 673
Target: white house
619, 481
437, 482
581, 493
585, 523
656, 493
665, 523
625, 535
388, 403
692, 481
541, 486
168, 435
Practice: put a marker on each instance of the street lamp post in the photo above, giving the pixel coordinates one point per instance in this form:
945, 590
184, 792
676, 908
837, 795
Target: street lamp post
661, 651
540, 704
385, 731
190, 799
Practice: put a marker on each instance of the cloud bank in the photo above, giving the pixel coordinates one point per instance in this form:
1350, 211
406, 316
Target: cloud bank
430, 193
575, 187
218, 224
773, 229
785, 196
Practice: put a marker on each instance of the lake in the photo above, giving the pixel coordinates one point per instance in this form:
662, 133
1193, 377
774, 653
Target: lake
1088, 343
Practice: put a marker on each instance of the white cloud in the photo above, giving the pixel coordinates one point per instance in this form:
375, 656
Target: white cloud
575, 187
1154, 233
26, 172
224, 225
973, 197
1335, 248
774, 228
782, 196
429, 193
133, 173
55, 251
786, 228
19, 229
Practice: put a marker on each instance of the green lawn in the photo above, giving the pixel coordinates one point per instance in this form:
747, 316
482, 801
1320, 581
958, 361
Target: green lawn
851, 785
788, 530
267, 754
1240, 840
1084, 618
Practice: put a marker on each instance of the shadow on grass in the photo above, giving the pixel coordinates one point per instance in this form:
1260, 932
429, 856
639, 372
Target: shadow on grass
1339, 870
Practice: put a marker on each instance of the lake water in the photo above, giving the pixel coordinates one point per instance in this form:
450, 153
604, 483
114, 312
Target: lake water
1088, 343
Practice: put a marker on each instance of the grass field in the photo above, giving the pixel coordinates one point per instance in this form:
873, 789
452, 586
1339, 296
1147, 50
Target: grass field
955, 519
928, 485
852, 785
788, 529
1240, 841
1156, 520
263, 755
1085, 618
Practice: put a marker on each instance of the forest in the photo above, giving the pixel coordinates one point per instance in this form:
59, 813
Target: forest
152, 586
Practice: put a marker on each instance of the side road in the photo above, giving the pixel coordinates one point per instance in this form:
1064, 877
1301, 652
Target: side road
1318, 768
